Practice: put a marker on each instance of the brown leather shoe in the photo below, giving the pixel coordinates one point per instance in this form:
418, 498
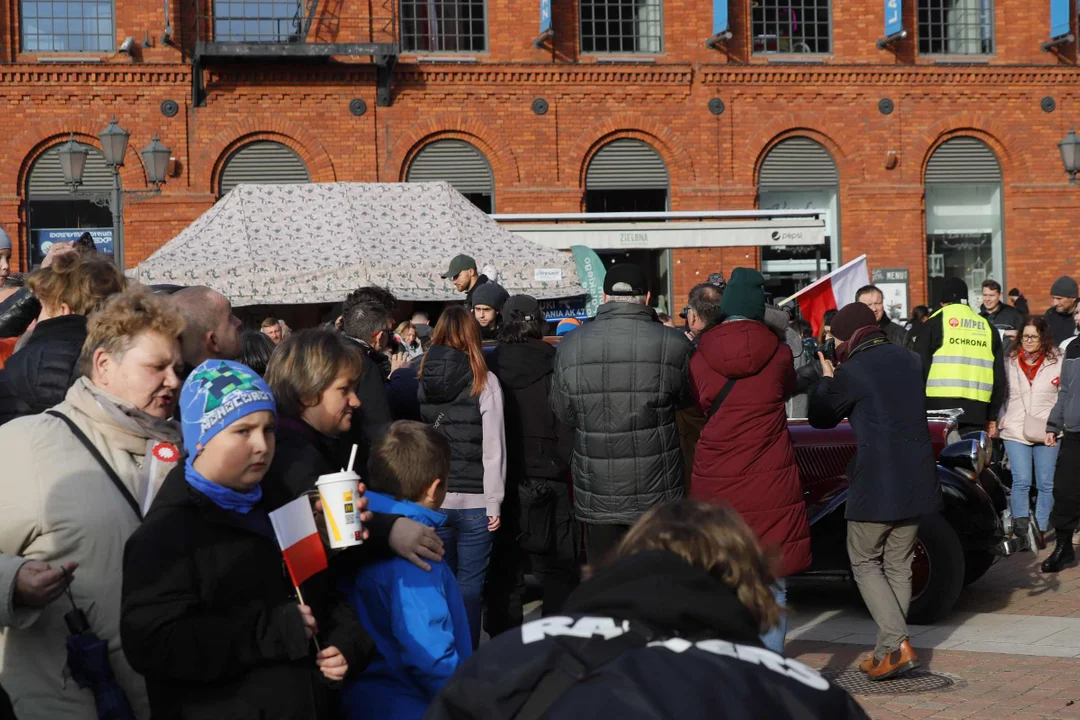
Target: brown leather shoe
895, 663
867, 664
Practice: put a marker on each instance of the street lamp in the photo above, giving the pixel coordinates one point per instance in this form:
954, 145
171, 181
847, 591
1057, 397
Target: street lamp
114, 142
1070, 154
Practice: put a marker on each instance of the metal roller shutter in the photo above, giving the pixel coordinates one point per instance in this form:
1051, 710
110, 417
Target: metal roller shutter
798, 162
47, 178
963, 160
265, 163
456, 162
627, 165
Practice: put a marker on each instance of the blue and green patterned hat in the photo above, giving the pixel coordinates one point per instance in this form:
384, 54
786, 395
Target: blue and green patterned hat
217, 394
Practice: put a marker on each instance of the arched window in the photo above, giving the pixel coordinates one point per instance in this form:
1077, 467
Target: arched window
459, 163
963, 217
55, 215
264, 163
800, 174
626, 176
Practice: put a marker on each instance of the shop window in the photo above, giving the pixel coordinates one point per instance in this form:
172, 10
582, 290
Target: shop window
55, 215
956, 27
800, 174
443, 26
791, 26
68, 26
626, 176
459, 163
622, 26
267, 21
963, 217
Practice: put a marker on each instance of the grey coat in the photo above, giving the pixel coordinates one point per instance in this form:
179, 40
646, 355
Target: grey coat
618, 382
1065, 417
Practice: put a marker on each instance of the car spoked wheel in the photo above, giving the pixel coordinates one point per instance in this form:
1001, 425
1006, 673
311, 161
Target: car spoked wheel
937, 571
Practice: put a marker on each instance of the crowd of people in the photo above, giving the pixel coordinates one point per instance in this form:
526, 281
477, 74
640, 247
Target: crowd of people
148, 436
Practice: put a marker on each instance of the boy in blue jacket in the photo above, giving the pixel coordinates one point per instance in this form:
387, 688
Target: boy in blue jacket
416, 618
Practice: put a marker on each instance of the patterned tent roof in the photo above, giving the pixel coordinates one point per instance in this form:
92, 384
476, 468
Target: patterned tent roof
317, 242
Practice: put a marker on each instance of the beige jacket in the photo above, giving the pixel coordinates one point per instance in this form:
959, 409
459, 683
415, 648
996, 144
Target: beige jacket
57, 505
1036, 398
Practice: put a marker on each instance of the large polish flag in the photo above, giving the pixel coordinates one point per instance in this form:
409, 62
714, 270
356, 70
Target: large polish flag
831, 292
299, 539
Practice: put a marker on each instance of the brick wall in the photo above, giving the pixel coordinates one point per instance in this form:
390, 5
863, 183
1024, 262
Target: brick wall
539, 161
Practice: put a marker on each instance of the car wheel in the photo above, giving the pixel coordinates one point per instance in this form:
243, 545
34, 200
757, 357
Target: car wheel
937, 571
976, 563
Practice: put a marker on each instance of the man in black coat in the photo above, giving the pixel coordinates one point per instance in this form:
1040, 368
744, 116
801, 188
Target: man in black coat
1059, 316
367, 325
1006, 319
874, 298
663, 640
537, 516
893, 482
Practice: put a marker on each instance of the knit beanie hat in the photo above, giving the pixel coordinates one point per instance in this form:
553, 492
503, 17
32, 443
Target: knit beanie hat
744, 295
566, 325
851, 318
5, 241
491, 294
954, 290
1064, 287
217, 394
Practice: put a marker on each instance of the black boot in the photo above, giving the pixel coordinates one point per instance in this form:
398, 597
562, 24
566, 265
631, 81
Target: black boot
1063, 554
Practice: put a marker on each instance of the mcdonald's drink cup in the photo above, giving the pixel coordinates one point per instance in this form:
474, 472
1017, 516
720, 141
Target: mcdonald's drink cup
339, 493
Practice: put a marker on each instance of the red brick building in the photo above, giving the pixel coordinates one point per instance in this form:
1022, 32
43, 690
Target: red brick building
936, 153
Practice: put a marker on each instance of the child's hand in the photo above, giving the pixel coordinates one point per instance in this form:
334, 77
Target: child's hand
332, 663
493, 523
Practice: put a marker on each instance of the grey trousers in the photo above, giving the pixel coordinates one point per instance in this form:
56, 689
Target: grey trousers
880, 555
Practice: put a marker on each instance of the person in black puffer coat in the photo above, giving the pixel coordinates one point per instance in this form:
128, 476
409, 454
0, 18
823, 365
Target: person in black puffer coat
38, 376
668, 630
537, 515
618, 382
460, 398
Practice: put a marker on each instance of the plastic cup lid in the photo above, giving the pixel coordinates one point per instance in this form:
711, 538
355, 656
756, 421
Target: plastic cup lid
337, 477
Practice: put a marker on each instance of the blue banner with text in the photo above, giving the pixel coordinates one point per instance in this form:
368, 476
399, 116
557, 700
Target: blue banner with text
1059, 18
894, 17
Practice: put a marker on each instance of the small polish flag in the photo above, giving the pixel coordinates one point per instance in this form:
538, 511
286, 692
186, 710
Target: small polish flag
299, 539
831, 292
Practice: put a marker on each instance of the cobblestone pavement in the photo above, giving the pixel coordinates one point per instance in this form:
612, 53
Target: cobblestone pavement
1026, 683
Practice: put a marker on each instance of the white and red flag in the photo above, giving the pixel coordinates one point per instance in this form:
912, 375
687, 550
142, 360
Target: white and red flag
831, 292
299, 539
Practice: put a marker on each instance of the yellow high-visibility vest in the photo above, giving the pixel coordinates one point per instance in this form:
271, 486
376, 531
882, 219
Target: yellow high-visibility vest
963, 366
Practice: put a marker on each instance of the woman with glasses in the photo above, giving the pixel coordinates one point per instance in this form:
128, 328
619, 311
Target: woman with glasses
1033, 370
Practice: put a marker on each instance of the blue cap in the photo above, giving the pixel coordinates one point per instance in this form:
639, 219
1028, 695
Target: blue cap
217, 394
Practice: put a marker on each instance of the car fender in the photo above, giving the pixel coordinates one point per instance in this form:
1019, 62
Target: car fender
969, 509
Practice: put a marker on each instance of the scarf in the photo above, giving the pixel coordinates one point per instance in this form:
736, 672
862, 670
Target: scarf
864, 337
225, 498
1030, 364
154, 444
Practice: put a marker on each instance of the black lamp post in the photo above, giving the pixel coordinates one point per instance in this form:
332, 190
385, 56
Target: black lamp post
114, 142
1070, 154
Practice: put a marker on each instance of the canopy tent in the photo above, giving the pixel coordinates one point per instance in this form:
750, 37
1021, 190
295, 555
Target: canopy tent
315, 243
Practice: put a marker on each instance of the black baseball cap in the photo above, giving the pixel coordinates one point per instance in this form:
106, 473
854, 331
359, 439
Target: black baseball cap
459, 264
629, 274
525, 306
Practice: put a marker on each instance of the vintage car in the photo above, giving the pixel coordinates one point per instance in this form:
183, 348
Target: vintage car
954, 548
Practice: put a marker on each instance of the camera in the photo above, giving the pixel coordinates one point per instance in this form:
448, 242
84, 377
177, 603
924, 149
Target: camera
828, 350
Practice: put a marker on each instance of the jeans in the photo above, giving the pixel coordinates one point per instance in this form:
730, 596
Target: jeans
1022, 458
467, 545
881, 555
773, 639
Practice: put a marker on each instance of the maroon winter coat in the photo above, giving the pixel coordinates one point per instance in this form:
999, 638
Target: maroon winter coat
744, 457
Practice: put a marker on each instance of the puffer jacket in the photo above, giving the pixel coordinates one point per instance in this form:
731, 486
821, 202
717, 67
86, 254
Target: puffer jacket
1028, 398
618, 382
39, 375
447, 404
18, 312
744, 457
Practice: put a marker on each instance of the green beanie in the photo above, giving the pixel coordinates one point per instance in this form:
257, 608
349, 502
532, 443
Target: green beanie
744, 295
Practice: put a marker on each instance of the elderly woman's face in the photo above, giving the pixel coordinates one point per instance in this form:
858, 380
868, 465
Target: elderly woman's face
146, 376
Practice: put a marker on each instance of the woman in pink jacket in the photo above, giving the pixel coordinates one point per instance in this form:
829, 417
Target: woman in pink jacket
1033, 370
